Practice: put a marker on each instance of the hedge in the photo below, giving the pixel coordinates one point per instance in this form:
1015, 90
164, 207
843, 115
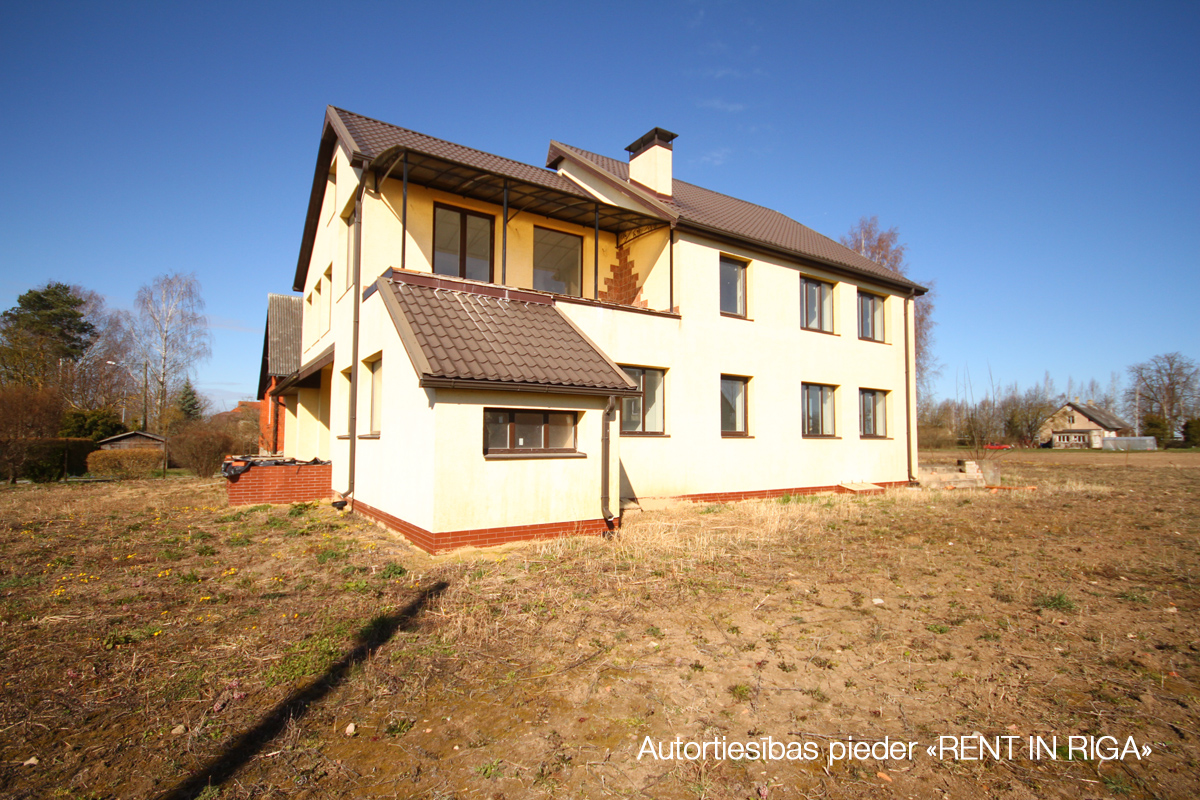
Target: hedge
47, 457
129, 463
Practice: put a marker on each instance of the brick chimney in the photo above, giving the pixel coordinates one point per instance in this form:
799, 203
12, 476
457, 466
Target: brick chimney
650, 161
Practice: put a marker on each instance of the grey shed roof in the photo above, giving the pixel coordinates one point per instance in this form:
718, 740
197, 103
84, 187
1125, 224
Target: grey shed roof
738, 218
281, 339
461, 334
1100, 416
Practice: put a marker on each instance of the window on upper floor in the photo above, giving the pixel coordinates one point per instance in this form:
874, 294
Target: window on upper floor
327, 283
733, 405
733, 287
463, 243
872, 415
643, 413
557, 262
513, 431
870, 317
816, 305
351, 245
817, 409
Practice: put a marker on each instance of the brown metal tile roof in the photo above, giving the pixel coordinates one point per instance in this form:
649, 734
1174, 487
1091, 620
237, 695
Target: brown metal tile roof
494, 337
744, 220
372, 137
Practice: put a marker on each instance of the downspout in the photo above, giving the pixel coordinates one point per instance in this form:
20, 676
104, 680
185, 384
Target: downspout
671, 273
595, 258
908, 390
504, 240
357, 300
403, 216
605, 450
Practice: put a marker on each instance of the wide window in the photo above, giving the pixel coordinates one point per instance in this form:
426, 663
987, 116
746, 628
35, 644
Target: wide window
870, 317
643, 413
818, 409
557, 262
462, 243
733, 287
872, 405
816, 312
376, 368
515, 431
733, 406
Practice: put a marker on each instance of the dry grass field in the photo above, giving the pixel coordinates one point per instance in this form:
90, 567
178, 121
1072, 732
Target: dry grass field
156, 643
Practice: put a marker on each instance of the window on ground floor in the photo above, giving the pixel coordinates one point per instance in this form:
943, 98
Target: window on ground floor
872, 415
733, 405
376, 368
643, 413
818, 409
518, 431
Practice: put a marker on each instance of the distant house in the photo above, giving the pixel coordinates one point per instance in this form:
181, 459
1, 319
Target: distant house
280, 358
133, 440
1082, 426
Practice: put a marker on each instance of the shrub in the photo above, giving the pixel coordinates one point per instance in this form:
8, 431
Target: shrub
1191, 432
47, 458
201, 447
130, 463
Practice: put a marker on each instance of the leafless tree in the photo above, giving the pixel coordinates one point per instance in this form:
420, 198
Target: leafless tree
1026, 412
170, 333
1167, 386
884, 248
102, 376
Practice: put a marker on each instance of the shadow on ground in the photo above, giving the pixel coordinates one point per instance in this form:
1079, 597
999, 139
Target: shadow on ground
296, 705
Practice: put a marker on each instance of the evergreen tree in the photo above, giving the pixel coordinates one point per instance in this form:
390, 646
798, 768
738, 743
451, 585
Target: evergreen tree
46, 327
191, 406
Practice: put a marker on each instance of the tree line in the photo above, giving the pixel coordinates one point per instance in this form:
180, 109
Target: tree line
1159, 397
72, 368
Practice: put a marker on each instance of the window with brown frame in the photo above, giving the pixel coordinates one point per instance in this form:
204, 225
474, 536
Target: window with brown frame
817, 411
870, 317
816, 305
872, 414
643, 413
733, 405
463, 243
733, 287
557, 262
512, 431
376, 368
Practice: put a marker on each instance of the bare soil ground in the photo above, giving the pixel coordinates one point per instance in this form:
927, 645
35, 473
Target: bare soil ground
155, 643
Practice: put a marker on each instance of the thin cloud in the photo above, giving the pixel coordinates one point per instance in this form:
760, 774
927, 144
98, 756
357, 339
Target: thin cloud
715, 157
717, 104
229, 324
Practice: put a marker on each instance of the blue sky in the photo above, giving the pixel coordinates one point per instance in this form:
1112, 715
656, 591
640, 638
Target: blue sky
1041, 160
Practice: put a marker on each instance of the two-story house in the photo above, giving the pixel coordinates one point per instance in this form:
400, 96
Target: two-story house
493, 350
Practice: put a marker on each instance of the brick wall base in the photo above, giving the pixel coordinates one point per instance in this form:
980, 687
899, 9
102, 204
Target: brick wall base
478, 537
296, 483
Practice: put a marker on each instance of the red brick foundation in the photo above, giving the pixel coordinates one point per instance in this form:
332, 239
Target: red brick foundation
478, 537
764, 494
296, 483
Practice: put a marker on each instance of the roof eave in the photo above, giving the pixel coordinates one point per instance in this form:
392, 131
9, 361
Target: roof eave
475, 384
899, 282
332, 131
559, 151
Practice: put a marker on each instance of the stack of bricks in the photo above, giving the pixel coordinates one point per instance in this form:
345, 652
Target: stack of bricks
293, 483
622, 287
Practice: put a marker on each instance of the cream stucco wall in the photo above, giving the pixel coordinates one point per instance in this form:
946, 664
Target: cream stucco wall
778, 356
475, 492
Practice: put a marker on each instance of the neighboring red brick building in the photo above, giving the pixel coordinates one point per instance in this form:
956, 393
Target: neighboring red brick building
281, 357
